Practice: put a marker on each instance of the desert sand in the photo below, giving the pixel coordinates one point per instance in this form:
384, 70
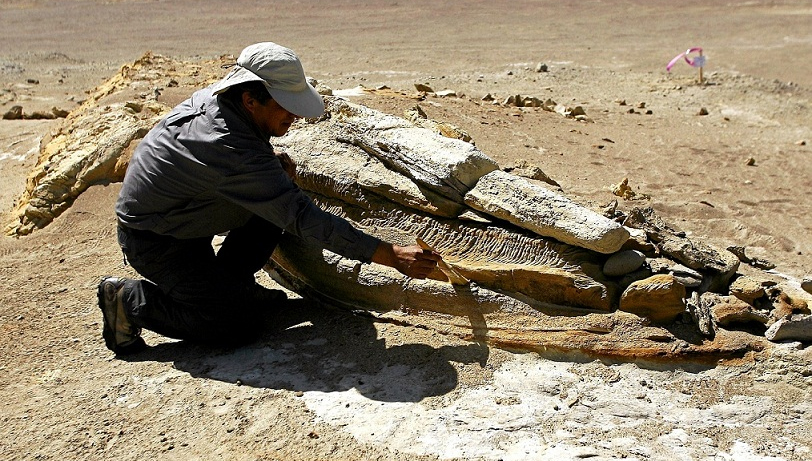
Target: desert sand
324, 384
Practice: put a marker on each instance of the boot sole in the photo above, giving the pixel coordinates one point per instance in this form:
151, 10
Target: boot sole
109, 330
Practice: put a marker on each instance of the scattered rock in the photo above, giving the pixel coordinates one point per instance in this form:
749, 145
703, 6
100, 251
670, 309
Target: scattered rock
446, 94
801, 142
785, 306
59, 113
541, 67
640, 274
751, 161
488, 98
623, 262
637, 240
15, 113
528, 170
647, 220
576, 111
623, 190
40, 115
701, 315
684, 275
739, 251
659, 298
721, 264
806, 285
418, 116
423, 88
729, 311
702, 111
797, 328
748, 289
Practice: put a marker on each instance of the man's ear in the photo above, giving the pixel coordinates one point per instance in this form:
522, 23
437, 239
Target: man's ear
249, 102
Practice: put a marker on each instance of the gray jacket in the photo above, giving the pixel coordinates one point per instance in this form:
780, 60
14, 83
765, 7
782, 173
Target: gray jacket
205, 169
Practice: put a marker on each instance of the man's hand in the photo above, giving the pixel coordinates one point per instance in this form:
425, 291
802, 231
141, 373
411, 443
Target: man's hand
411, 261
287, 164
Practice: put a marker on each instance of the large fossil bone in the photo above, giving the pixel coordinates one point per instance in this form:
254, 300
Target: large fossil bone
533, 257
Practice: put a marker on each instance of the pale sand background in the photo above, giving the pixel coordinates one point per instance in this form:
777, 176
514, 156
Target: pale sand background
340, 387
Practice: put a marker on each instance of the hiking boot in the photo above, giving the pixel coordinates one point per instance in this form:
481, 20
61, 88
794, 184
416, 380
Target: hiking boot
119, 334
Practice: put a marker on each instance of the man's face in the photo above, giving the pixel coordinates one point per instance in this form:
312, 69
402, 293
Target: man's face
271, 118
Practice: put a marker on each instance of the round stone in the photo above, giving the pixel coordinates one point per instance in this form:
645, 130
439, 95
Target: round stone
624, 262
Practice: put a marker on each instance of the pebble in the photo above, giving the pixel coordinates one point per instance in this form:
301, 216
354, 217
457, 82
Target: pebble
623, 262
797, 328
806, 285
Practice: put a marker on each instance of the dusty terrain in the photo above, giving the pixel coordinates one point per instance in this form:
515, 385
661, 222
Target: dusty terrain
325, 384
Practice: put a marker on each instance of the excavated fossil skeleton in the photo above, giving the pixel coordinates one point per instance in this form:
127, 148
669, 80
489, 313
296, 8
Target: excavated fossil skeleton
505, 234
534, 261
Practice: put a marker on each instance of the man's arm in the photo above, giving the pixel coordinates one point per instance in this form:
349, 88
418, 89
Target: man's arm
411, 261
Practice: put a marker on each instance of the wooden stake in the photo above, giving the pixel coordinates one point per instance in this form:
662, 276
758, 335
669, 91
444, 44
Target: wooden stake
700, 67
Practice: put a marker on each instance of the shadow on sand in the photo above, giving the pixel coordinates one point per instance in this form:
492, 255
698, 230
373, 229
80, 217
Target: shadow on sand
309, 348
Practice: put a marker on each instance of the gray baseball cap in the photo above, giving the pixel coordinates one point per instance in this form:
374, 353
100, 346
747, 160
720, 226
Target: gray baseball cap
281, 71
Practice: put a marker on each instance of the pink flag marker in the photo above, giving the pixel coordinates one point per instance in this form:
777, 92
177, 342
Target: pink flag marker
697, 61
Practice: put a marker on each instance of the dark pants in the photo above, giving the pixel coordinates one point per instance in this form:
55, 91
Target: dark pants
191, 293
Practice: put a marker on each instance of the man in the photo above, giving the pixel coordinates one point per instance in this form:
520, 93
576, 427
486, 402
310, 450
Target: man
209, 168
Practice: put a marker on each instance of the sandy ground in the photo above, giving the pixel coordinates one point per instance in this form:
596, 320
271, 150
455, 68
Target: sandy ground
324, 384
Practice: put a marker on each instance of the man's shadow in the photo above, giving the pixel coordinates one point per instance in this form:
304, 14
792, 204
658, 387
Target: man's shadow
307, 347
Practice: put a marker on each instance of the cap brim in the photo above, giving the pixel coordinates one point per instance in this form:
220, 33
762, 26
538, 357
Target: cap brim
306, 103
237, 75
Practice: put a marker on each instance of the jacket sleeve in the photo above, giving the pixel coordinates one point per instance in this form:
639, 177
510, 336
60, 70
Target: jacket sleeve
267, 191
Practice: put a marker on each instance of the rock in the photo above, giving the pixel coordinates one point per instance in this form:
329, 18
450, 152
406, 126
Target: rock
785, 306
577, 110
423, 88
684, 275
418, 116
748, 289
701, 315
637, 241
729, 311
532, 102
623, 262
739, 251
640, 274
720, 264
806, 285
446, 93
528, 170
541, 67
488, 98
797, 328
647, 220
702, 111
40, 115
659, 298
15, 113
623, 190
533, 207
